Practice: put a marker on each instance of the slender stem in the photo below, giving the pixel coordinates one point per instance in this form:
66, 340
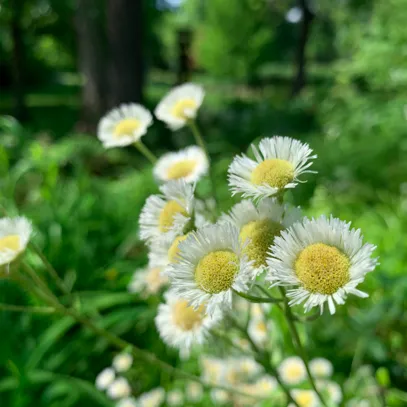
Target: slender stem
200, 141
303, 355
50, 269
33, 310
226, 339
259, 300
145, 151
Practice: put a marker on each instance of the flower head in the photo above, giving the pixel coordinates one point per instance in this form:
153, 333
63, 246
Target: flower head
152, 398
175, 398
194, 392
321, 368
166, 215
210, 266
124, 125
180, 105
182, 326
148, 281
105, 378
323, 258
119, 389
278, 163
189, 164
127, 402
122, 362
305, 398
292, 370
14, 236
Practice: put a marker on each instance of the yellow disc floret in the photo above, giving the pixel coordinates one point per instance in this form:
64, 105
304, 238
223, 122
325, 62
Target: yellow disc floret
181, 169
322, 268
295, 372
304, 398
216, 271
259, 235
166, 219
273, 172
180, 108
155, 279
173, 251
11, 242
126, 127
185, 316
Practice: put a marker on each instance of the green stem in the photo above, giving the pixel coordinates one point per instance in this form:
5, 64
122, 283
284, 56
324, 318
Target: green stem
259, 300
200, 141
145, 151
33, 310
303, 355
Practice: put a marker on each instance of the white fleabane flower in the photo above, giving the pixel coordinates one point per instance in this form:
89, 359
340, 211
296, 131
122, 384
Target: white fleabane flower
181, 326
210, 266
259, 331
119, 389
152, 398
122, 362
14, 236
278, 163
332, 389
124, 125
194, 392
292, 370
127, 402
240, 369
189, 164
265, 386
321, 368
304, 398
175, 398
148, 281
258, 226
180, 105
105, 378
166, 215
323, 258
212, 369
219, 397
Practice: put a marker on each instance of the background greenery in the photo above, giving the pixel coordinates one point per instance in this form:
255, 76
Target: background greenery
85, 201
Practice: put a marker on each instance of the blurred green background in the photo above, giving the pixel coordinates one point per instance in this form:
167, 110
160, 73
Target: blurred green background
333, 74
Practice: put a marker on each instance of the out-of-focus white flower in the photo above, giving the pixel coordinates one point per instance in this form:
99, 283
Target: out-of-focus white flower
105, 378
124, 125
212, 369
122, 362
292, 370
127, 402
278, 163
240, 370
333, 390
189, 164
14, 236
219, 396
175, 398
294, 15
119, 389
323, 259
211, 265
304, 398
148, 281
321, 368
153, 398
194, 392
180, 105
259, 331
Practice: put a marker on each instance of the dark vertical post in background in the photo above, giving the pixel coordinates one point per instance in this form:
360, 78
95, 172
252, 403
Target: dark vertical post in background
301, 59
125, 37
184, 67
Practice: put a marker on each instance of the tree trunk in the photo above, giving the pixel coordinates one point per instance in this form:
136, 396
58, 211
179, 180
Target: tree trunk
307, 18
92, 62
125, 33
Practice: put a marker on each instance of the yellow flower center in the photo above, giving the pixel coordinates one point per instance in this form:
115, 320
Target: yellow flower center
295, 372
322, 268
216, 271
155, 279
261, 234
126, 127
180, 107
173, 251
261, 326
166, 219
273, 172
185, 316
304, 398
181, 169
11, 242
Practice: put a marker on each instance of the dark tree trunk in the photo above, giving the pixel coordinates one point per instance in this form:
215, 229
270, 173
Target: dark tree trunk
125, 33
184, 67
92, 61
18, 62
301, 61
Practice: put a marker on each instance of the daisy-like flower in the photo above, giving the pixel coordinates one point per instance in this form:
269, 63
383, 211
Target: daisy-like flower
259, 226
305, 398
219, 396
212, 368
105, 378
292, 370
127, 402
124, 125
180, 325
323, 258
175, 398
240, 370
153, 398
189, 164
259, 331
180, 105
122, 362
148, 281
278, 163
166, 215
321, 368
119, 389
194, 392
210, 266
14, 236
332, 389
265, 386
